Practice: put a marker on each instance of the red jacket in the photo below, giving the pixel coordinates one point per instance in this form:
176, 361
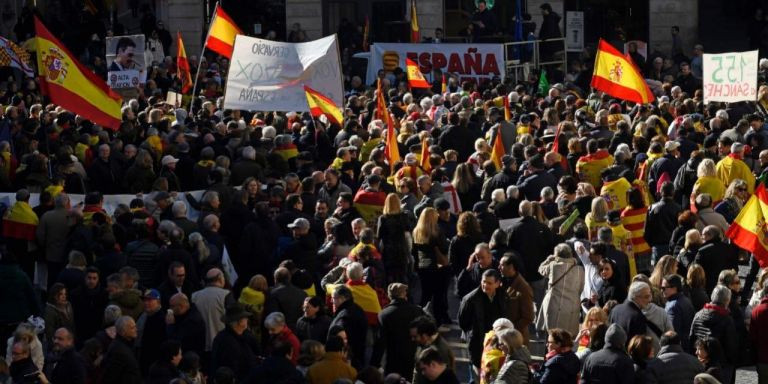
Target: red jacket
758, 330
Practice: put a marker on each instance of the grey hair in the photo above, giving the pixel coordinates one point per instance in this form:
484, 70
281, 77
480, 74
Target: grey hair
61, 200
355, 271
249, 153
711, 232
547, 193
274, 319
563, 251
209, 220
526, 208
605, 235
332, 221
636, 288
179, 209
502, 323
498, 195
111, 314
122, 324
721, 295
359, 221
209, 196
513, 192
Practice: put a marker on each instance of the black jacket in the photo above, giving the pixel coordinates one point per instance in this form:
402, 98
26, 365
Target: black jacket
715, 256
187, 329
303, 252
629, 317
716, 323
152, 335
501, 180
531, 185
313, 329
234, 351
275, 370
105, 176
120, 364
85, 303
534, 241
661, 221
243, 169
610, 364
162, 372
351, 318
477, 312
459, 138
66, 368
288, 300
395, 337
24, 372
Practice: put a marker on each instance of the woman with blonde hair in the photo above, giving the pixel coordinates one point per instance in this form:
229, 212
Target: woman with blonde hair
27, 333
394, 240
762, 100
311, 352
667, 265
431, 261
594, 317
735, 196
467, 185
516, 358
686, 256
597, 217
585, 193
707, 182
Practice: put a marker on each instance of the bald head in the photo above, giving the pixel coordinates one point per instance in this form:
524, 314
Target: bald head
215, 277
179, 304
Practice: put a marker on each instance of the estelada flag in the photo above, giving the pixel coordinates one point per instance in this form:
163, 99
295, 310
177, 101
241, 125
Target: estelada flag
618, 76
73, 86
319, 105
222, 33
415, 77
498, 151
425, 165
415, 37
750, 231
185, 74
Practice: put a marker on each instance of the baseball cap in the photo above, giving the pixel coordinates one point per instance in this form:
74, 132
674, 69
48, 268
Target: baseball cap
671, 145
152, 294
168, 159
301, 223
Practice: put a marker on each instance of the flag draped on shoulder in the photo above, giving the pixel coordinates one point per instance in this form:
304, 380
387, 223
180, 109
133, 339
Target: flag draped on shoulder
11, 55
415, 37
320, 104
415, 77
616, 75
221, 34
184, 73
20, 222
750, 231
73, 86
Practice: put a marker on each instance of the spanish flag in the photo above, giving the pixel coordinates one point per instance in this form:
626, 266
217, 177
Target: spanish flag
415, 38
618, 76
287, 151
497, 151
750, 231
370, 205
182, 64
364, 296
381, 104
425, 165
444, 85
221, 34
20, 222
73, 86
507, 111
415, 77
319, 105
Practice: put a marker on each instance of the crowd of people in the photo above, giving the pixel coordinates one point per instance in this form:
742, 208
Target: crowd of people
311, 257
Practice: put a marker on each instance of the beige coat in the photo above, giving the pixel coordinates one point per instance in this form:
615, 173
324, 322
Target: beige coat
561, 305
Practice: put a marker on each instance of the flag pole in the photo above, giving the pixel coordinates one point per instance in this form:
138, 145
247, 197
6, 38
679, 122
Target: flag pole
202, 56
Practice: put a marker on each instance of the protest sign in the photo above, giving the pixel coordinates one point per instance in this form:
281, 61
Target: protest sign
269, 75
730, 77
123, 79
174, 99
126, 64
472, 62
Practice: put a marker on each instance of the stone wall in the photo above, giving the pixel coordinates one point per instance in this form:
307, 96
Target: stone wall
308, 13
666, 13
185, 16
430, 14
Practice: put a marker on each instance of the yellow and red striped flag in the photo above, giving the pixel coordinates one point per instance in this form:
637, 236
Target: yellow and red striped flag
415, 36
20, 222
618, 76
73, 86
750, 230
498, 151
221, 34
415, 77
425, 165
319, 105
184, 73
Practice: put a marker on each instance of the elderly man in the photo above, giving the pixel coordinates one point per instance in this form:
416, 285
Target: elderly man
733, 167
535, 241
285, 297
120, 364
611, 364
185, 324
714, 320
628, 315
105, 174
715, 255
279, 332
212, 301
247, 167
351, 319
363, 294
22, 366
303, 249
232, 346
678, 307
394, 336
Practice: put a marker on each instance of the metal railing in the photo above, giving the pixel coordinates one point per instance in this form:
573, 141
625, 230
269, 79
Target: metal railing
521, 57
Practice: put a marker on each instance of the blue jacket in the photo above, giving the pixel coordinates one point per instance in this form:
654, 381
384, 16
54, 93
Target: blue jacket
680, 311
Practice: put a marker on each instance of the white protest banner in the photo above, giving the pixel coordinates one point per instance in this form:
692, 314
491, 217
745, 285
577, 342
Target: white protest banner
123, 79
267, 75
472, 62
730, 77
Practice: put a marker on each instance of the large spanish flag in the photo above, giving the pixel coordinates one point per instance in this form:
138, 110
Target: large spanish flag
497, 151
415, 37
750, 231
221, 34
185, 74
73, 86
319, 105
20, 222
415, 77
618, 76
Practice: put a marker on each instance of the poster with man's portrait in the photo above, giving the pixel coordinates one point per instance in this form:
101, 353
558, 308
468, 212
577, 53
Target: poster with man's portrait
126, 62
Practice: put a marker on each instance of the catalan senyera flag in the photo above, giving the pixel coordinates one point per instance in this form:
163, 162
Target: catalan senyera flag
750, 231
415, 77
73, 86
618, 76
20, 221
366, 32
185, 74
497, 151
415, 36
319, 105
11, 55
221, 34
425, 165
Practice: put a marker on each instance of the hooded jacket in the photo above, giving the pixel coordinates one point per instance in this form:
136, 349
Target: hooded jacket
610, 364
